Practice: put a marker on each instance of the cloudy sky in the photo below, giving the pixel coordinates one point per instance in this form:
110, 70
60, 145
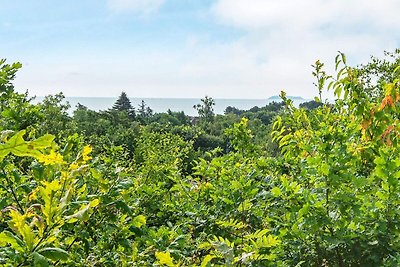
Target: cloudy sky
188, 48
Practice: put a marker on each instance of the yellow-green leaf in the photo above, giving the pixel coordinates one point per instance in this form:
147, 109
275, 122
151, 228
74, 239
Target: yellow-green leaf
139, 221
276, 191
55, 254
164, 258
81, 215
7, 237
94, 203
206, 260
245, 205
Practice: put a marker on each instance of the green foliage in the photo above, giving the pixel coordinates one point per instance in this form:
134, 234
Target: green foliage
206, 109
7, 74
123, 104
54, 118
162, 192
144, 112
241, 137
334, 154
19, 147
15, 110
311, 105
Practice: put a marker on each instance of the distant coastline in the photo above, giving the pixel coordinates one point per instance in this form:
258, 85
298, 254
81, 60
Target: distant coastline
278, 98
159, 105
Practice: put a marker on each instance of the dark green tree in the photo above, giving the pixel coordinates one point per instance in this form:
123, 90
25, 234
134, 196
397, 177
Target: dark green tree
7, 74
16, 110
233, 110
206, 109
379, 71
310, 105
144, 112
124, 104
55, 118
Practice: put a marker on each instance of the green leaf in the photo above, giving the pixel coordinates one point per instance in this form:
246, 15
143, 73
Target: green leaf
231, 223
206, 260
267, 241
164, 258
42, 142
396, 69
324, 169
304, 210
7, 237
81, 215
139, 221
21, 148
245, 205
276, 191
257, 234
39, 260
343, 58
55, 254
22, 228
94, 203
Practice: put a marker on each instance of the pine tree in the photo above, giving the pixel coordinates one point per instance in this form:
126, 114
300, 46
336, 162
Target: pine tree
144, 112
124, 104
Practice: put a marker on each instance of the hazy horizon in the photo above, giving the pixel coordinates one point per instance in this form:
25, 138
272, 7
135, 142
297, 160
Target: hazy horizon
160, 105
188, 49
136, 97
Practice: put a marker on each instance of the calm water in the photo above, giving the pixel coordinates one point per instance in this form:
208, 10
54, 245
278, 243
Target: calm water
163, 104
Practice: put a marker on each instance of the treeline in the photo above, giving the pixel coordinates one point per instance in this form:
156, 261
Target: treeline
116, 124
277, 185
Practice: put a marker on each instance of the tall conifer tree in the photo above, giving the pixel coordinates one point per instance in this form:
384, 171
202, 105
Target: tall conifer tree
124, 104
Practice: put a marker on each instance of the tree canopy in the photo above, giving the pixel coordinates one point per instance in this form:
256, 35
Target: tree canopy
278, 185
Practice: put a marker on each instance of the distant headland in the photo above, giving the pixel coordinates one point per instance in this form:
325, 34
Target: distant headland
278, 98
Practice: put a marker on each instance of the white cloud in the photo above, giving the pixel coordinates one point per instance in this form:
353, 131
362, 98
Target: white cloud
280, 41
287, 36
142, 7
310, 14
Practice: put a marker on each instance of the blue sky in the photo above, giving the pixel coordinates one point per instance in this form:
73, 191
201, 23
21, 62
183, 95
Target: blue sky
188, 48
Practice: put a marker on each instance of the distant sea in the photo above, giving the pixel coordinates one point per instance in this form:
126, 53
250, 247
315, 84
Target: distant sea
174, 104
